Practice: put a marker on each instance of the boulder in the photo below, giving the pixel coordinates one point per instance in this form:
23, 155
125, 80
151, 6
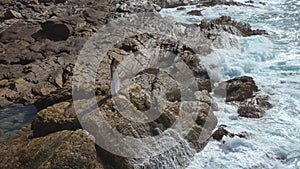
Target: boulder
254, 107
195, 12
227, 24
237, 89
64, 149
181, 8
221, 132
60, 116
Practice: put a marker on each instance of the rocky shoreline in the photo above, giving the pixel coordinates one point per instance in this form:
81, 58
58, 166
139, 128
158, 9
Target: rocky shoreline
40, 41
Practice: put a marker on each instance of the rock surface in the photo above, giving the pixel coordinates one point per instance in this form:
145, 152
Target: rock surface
227, 24
195, 12
237, 89
254, 107
39, 44
244, 91
221, 132
65, 149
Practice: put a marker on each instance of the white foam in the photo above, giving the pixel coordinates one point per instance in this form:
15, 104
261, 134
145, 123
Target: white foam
274, 62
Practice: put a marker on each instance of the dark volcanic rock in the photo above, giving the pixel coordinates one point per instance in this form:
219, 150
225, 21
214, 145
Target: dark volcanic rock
195, 12
237, 89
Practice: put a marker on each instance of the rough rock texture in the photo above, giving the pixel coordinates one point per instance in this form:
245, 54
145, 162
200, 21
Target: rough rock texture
222, 2
40, 41
254, 107
237, 89
65, 149
61, 116
243, 89
195, 12
221, 132
231, 26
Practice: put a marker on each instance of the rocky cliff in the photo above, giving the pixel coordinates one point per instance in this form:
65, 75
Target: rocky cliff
164, 113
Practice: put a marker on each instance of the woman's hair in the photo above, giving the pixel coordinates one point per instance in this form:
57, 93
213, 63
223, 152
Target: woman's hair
112, 61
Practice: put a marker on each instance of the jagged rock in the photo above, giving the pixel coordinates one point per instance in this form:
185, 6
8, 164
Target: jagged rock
237, 89
9, 14
61, 116
263, 3
19, 31
56, 96
195, 12
65, 149
137, 6
221, 132
250, 1
255, 107
181, 8
139, 98
222, 2
231, 26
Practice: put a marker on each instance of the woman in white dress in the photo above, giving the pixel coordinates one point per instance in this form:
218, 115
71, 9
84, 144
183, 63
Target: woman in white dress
114, 82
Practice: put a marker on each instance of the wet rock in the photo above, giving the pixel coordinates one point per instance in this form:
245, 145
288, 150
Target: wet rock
255, 107
250, 1
221, 132
65, 149
262, 3
195, 12
237, 89
222, 2
227, 24
181, 8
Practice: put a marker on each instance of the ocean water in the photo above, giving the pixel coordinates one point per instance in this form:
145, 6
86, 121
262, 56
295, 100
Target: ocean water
274, 62
13, 119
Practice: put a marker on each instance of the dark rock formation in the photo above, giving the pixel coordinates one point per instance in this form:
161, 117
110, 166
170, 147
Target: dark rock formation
254, 107
221, 132
181, 8
244, 90
237, 89
231, 26
195, 12
222, 2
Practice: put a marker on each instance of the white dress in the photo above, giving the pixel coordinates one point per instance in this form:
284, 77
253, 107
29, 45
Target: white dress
114, 83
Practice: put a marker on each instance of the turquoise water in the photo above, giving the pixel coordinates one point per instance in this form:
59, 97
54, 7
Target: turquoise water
274, 62
13, 119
